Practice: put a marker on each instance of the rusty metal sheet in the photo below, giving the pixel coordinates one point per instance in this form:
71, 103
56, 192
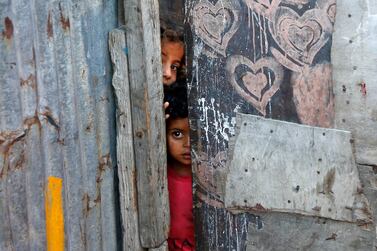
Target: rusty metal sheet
354, 57
280, 232
285, 167
57, 120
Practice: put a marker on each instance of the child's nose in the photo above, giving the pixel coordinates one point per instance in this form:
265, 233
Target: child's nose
187, 142
166, 71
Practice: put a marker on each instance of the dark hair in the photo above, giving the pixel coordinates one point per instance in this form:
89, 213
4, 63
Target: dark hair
171, 35
176, 95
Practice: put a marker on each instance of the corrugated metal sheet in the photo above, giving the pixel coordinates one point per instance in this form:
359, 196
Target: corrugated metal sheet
57, 120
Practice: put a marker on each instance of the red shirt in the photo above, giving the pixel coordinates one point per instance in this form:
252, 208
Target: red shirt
181, 235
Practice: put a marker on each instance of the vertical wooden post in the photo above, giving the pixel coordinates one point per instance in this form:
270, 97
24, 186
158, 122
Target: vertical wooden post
125, 147
146, 129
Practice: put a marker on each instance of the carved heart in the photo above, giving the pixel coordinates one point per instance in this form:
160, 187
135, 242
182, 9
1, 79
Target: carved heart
330, 7
216, 24
300, 37
296, 2
211, 21
255, 82
266, 8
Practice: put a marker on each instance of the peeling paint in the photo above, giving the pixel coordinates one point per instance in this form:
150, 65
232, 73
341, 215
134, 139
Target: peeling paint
363, 88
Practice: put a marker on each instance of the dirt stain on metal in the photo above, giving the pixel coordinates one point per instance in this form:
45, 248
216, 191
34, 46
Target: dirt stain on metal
104, 163
8, 28
363, 88
50, 29
64, 20
30, 81
328, 182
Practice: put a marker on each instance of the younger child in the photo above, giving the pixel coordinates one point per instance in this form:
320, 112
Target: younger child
181, 235
172, 54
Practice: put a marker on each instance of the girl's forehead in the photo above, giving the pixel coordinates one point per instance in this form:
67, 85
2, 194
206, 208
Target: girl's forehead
179, 123
175, 45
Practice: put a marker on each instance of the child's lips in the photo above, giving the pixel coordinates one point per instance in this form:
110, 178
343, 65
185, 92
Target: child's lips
187, 155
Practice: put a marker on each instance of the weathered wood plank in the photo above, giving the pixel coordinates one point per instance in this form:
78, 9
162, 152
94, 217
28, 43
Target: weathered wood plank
354, 58
285, 167
125, 147
163, 247
144, 55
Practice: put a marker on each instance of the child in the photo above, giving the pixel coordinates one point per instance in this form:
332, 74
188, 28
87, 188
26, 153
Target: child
181, 235
172, 54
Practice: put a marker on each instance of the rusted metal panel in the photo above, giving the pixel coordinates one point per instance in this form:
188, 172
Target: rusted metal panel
57, 119
354, 58
278, 166
282, 232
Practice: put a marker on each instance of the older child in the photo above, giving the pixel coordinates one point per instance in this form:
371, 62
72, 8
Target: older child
172, 54
181, 235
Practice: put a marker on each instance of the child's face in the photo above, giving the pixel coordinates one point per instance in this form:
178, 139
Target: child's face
172, 54
178, 140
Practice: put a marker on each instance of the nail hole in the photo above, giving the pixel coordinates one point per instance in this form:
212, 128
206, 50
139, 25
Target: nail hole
271, 131
324, 134
347, 102
344, 120
245, 124
253, 159
349, 15
350, 41
320, 160
246, 170
245, 201
289, 201
355, 68
318, 172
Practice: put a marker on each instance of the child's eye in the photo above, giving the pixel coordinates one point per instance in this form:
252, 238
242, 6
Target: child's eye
177, 134
174, 67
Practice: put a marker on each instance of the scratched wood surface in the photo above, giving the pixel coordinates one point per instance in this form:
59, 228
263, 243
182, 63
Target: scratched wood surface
148, 121
125, 147
310, 171
267, 58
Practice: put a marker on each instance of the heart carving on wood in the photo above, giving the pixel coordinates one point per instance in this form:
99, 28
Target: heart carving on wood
301, 37
329, 6
266, 8
255, 82
216, 24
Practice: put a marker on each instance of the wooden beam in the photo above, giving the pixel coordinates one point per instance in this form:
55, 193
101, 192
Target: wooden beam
145, 77
125, 147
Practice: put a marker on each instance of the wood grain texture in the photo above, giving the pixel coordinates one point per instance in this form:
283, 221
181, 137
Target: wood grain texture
310, 171
125, 147
146, 91
163, 247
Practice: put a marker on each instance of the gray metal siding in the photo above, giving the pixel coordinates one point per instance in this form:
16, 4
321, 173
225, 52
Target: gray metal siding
57, 118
